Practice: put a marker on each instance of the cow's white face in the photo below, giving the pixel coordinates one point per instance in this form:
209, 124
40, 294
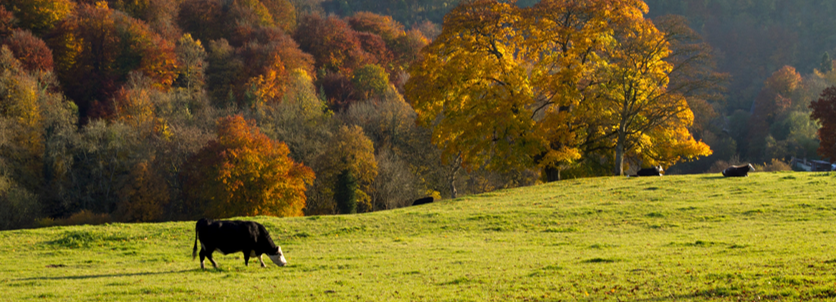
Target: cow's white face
278, 258
751, 168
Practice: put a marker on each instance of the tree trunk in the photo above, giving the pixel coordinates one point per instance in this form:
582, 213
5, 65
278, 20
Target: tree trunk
451, 178
619, 155
552, 174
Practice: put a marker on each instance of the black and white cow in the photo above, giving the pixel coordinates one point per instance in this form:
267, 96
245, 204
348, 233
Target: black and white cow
230, 236
421, 201
741, 170
655, 171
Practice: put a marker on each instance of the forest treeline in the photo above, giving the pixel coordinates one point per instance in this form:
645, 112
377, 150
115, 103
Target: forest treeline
750, 41
152, 110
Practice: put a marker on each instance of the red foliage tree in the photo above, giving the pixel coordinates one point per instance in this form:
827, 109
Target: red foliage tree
333, 44
31, 51
824, 111
244, 173
97, 47
376, 47
339, 91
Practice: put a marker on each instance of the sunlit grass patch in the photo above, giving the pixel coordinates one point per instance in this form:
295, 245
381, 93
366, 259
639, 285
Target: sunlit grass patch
679, 238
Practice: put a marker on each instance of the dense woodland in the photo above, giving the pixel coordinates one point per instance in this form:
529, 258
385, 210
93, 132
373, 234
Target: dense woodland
152, 110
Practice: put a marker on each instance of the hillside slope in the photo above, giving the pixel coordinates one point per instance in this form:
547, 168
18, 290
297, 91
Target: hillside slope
697, 237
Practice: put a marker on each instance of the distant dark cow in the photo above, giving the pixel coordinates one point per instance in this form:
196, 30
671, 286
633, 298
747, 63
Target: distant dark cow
742, 170
422, 201
230, 236
655, 171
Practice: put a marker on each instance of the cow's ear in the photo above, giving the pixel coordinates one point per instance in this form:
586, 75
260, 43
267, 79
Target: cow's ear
278, 250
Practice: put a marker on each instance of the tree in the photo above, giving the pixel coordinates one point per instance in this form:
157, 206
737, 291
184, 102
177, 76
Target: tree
39, 16
223, 73
824, 111
97, 47
7, 23
31, 51
20, 112
826, 64
345, 192
204, 19
349, 149
191, 60
504, 87
370, 80
333, 44
283, 12
648, 109
244, 173
144, 195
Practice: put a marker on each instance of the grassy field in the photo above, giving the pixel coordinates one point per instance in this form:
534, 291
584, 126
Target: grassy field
701, 237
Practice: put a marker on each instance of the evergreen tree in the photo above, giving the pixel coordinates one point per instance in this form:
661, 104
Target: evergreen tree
346, 192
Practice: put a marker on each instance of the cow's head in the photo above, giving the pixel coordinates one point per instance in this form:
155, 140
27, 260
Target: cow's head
751, 168
278, 257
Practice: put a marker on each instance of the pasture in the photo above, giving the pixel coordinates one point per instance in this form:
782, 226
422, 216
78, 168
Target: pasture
698, 237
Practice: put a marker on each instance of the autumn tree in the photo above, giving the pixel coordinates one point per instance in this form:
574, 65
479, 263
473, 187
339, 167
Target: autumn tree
283, 13
39, 16
649, 114
774, 100
97, 47
244, 173
204, 19
144, 195
31, 51
191, 61
7, 23
349, 149
370, 80
20, 113
507, 87
332, 43
223, 73
824, 111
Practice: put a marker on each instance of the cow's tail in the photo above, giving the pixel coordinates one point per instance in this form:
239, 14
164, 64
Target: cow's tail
194, 250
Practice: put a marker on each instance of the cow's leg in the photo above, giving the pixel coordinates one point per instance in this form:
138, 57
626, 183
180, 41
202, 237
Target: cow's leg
247, 257
261, 260
203, 256
208, 254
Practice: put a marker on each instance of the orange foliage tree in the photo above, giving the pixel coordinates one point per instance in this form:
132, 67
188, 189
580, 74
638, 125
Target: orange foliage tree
824, 111
244, 173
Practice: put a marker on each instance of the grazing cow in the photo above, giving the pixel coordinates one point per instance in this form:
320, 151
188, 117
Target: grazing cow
422, 201
230, 236
655, 171
741, 170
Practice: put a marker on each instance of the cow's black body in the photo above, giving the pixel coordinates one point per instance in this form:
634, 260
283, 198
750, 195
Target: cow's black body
655, 171
738, 171
232, 236
422, 201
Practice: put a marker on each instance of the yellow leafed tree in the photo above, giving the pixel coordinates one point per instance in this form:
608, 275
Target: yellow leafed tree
508, 87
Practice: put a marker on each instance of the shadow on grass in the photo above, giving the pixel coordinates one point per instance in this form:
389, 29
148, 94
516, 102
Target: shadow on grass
81, 277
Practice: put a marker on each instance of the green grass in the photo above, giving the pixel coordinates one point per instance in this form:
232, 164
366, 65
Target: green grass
703, 237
